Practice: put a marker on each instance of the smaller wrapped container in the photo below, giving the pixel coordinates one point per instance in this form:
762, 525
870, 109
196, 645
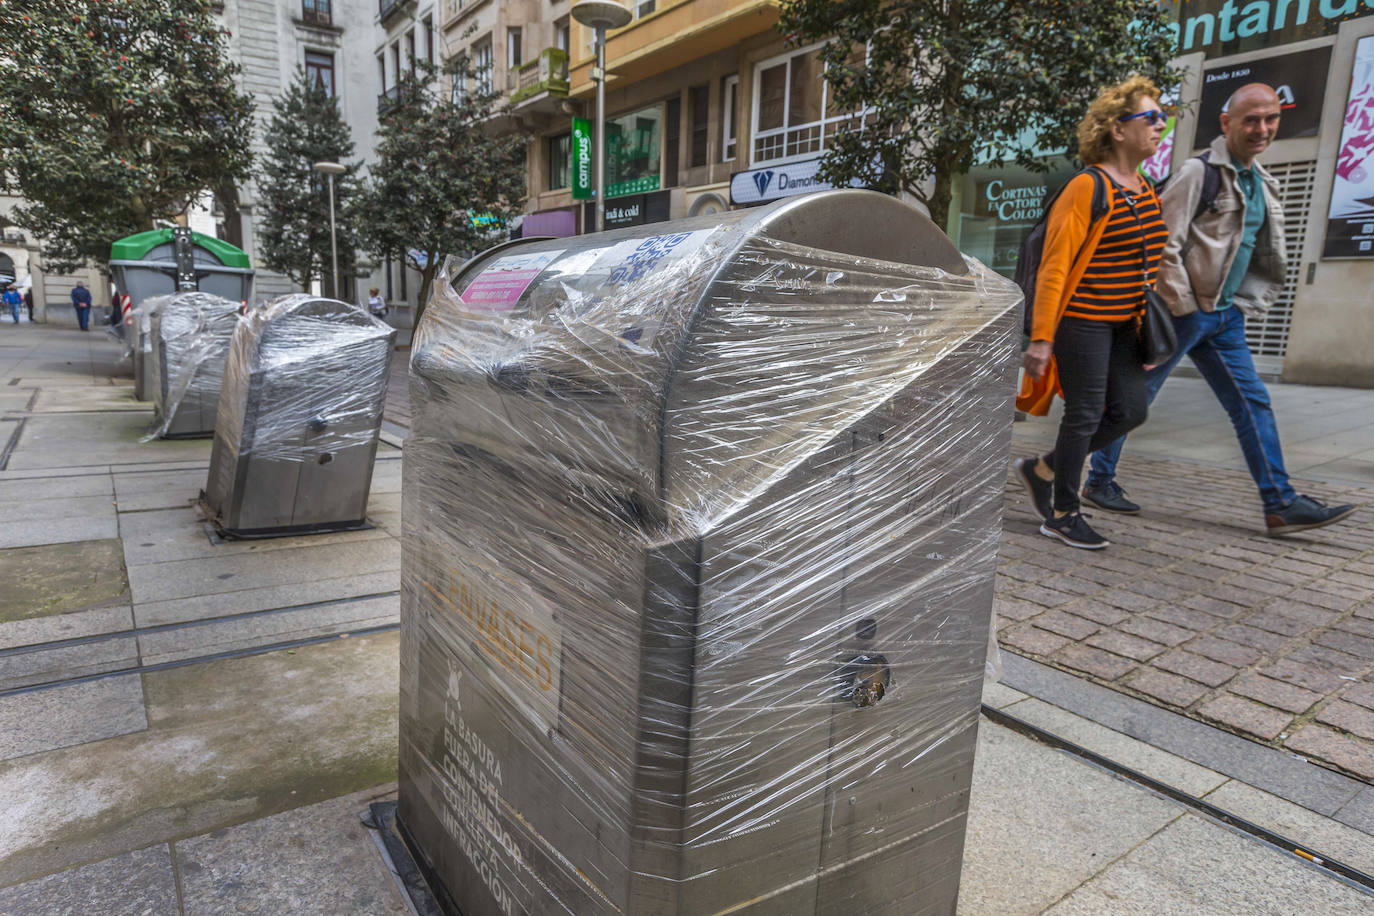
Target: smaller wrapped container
138, 346
299, 416
190, 339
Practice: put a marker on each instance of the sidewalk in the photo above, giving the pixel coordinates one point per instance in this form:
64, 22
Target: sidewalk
1192, 607
189, 726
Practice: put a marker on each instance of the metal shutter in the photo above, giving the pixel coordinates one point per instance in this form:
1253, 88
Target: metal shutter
1268, 337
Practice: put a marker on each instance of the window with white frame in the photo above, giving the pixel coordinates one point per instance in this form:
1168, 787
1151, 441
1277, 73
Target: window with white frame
381, 70
644, 7
562, 35
482, 66
513, 49
729, 105
794, 116
410, 50
428, 26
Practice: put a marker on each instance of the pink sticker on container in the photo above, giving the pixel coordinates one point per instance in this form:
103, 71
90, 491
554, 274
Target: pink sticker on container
502, 282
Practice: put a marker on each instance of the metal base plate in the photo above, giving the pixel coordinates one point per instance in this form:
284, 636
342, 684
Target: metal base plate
412, 873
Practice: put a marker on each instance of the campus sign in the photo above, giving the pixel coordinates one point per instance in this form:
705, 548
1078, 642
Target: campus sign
581, 146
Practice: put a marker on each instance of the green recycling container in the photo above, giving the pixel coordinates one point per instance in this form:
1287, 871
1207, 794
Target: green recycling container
167, 261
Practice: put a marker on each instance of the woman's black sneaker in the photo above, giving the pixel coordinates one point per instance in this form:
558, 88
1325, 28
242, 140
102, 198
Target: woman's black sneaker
1109, 496
1303, 514
1041, 492
1074, 531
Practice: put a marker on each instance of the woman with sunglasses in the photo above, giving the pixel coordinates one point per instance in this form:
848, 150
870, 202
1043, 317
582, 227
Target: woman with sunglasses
1089, 296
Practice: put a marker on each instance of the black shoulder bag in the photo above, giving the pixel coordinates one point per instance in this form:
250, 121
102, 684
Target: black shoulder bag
1158, 340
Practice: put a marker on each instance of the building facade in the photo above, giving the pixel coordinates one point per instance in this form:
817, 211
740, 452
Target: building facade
335, 42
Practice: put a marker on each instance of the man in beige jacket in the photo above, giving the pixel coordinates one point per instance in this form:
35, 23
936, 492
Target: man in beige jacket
1224, 262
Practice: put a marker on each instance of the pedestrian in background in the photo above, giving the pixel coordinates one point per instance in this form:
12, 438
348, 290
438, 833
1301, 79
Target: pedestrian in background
13, 300
81, 301
1090, 293
1233, 269
28, 302
375, 303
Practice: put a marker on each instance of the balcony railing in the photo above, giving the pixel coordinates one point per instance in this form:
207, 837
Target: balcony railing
546, 73
388, 100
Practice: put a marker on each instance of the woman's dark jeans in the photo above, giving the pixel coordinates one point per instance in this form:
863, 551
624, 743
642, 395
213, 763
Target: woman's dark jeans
1104, 396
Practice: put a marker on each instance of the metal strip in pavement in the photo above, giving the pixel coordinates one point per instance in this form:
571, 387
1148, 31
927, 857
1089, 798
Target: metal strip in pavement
218, 656
12, 443
1347, 874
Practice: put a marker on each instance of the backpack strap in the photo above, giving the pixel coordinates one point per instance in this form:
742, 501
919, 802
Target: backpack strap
1211, 185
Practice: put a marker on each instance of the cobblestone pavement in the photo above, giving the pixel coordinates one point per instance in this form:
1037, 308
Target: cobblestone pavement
1194, 609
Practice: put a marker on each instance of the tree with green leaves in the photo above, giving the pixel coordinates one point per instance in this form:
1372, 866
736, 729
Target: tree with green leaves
945, 84
443, 182
293, 199
118, 113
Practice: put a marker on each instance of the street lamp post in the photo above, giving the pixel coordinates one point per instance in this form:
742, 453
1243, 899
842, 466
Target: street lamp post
600, 15
331, 169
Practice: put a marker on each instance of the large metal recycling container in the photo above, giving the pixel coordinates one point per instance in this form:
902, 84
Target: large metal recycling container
299, 415
700, 529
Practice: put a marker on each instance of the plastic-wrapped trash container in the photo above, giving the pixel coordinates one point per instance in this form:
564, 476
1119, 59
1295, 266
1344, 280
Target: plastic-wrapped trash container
300, 411
190, 340
700, 531
166, 261
138, 345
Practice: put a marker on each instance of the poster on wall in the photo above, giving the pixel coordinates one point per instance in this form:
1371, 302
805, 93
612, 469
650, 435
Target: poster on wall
1156, 168
1350, 220
1298, 78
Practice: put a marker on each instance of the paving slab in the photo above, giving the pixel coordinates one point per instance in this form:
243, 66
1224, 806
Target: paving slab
64, 717
322, 862
138, 492
1195, 866
1040, 823
53, 580
224, 604
38, 512
86, 440
68, 625
88, 400
264, 629
49, 664
228, 741
45, 488
1294, 822
318, 561
1143, 758
159, 536
31, 532
138, 883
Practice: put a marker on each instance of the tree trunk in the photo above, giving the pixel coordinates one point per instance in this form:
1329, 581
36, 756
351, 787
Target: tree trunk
426, 283
941, 197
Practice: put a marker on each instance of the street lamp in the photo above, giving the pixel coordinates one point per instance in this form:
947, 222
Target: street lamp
331, 169
600, 15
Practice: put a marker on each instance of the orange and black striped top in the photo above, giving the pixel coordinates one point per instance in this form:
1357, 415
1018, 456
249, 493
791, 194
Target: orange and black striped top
1111, 287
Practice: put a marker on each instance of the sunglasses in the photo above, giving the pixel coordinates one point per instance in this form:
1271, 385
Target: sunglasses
1154, 116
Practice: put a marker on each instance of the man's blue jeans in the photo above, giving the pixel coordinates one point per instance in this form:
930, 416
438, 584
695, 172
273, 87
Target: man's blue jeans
1215, 342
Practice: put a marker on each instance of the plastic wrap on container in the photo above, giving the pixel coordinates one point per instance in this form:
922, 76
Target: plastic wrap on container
189, 338
700, 531
299, 414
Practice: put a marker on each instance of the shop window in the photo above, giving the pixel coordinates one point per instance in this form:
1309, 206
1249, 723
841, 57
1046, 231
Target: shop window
560, 162
633, 150
319, 69
794, 116
729, 102
699, 114
672, 140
